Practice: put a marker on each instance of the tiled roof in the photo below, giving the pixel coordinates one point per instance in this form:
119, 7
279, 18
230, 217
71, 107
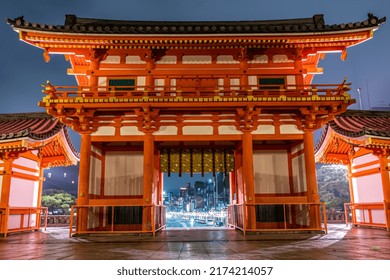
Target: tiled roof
73, 24
356, 124
35, 126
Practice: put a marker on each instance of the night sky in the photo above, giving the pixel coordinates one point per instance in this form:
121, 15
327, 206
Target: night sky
23, 69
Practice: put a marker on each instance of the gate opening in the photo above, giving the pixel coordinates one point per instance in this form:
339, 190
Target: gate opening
196, 201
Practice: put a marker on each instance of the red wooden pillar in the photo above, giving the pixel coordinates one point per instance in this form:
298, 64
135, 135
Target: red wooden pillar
148, 180
6, 185
384, 170
83, 190
40, 188
248, 178
6, 189
311, 179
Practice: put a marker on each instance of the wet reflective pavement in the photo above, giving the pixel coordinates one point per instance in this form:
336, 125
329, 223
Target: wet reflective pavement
341, 243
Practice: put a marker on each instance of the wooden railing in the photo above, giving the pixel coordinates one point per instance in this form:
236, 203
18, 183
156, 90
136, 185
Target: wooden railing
286, 217
109, 219
18, 219
79, 93
368, 214
59, 220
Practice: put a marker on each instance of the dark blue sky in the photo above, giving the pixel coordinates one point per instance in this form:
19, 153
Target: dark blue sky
23, 69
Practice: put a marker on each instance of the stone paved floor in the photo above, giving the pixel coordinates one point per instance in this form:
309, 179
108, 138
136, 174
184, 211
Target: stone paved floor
341, 243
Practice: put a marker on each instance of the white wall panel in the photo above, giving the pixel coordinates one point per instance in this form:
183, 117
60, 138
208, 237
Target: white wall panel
26, 162
271, 172
134, 59
265, 129
198, 130
167, 59
166, 130
112, 59
299, 174
368, 188
196, 59
95, 176
24, 193
290, 129
130, 130
226, 59
259, 59
123, 173
228, 129
104, 131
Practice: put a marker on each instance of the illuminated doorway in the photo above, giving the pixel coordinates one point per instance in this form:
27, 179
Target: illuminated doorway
197, 201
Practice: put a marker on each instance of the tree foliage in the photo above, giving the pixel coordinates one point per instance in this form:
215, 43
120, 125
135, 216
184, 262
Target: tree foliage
57, 201
333, 186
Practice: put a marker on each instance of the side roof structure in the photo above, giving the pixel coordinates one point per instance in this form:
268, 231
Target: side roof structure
23, 132
354, 128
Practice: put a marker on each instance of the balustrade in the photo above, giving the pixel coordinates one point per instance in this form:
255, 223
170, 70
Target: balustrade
82, 93
276, 216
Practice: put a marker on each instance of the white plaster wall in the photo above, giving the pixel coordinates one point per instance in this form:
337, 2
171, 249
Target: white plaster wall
364, 159
102, 82
112, 59
196, 59
95, 176
123, 173
297, 148
299, 174
265, 129
26, 162
130, 130
141, 81
198, 130
252, 81
259, 59
235, 84
166, 130
24, 193
134, 59
378, 216
226, 59
290, 129
228, 129
271, 172
14, 221
281, 58
368, 188
159, 84
291, 81
104, 131
168, 59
